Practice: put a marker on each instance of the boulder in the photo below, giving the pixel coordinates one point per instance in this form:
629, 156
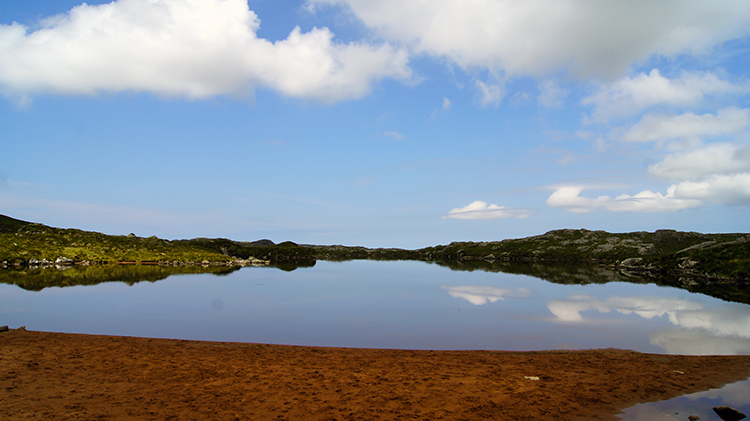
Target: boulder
728, 413
62, 260
632, 262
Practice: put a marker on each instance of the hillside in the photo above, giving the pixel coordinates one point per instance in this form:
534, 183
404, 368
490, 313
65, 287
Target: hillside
661, 253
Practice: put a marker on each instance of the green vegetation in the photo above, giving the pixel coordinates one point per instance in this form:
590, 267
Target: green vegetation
716, 264
24, 243
40, 278
661, 252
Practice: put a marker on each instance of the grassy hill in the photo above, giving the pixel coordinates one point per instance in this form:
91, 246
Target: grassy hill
663, 252
24, 243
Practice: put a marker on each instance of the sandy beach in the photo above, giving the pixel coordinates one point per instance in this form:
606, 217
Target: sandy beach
61, 376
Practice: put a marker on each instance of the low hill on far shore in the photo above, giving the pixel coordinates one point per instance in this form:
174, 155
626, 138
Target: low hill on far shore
687, 254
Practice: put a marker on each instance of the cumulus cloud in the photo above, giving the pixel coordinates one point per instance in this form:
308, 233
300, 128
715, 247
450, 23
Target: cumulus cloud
655, 127
481, 210
718, 172
711, 160
480, 295
631, 95
570, 199
190, 48
519, 38
725, 189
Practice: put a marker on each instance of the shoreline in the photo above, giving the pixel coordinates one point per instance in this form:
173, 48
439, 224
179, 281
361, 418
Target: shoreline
76, 376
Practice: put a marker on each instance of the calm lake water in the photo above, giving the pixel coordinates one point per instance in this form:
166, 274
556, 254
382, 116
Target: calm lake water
377, 304
699, 404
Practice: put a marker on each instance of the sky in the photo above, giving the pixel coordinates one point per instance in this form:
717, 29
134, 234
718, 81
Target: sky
377, 123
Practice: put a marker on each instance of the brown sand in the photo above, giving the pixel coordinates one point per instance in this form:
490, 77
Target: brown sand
86, 377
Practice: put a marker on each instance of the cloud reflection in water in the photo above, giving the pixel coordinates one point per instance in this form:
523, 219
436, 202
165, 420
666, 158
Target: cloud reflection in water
479, 295
570, 309
722, 330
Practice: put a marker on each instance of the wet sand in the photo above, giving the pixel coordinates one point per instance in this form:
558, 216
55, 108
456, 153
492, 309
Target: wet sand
62, 376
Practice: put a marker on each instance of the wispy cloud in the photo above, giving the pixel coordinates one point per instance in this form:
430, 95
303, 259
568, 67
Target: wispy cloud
489, 93
656, 127
394, 134
479, 210
118, 217
446, 103
632, 95
708, 161
550, 93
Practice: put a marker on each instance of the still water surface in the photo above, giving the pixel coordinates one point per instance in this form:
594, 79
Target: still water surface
406, 304
699, 404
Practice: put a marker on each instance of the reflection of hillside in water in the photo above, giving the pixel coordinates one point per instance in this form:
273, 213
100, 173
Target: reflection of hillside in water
66, 276
583, 274
40, 278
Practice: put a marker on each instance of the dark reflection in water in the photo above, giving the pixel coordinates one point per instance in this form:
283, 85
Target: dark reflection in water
40, 278
583, 274
565, 274
290, 265
699, 405
36, 279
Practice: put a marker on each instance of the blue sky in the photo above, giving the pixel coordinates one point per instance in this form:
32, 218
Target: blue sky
384, 124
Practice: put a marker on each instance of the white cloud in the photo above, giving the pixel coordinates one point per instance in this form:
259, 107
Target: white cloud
655, 127
719, 172
190, 48
480, 295
711, 160
480, 210
489, 93
631, 95
569, 198
394, 134
446, 103
551, 94
520, 37
725, 189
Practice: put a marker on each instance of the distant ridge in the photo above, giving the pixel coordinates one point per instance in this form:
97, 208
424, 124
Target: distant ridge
660, 253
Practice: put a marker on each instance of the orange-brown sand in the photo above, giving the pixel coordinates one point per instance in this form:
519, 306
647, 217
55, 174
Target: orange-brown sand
62, 376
